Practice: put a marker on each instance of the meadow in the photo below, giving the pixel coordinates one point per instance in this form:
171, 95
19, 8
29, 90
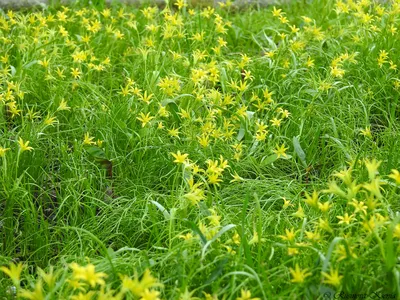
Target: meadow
198, 152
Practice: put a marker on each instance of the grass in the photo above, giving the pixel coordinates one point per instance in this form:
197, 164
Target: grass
200, 153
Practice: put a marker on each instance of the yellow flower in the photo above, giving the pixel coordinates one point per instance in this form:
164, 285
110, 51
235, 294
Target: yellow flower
76, 284
345, 175
235, 239
4, 58
396, 231
374, 187
246, 295
313, 236
276, 12
290, 235
146, 97
299, 213
44, 63
372, 167
188, 236
76, 73
366, 132
359, 206
395, 174
49, 278
337, 72
195, 196
324, 224
81, 296
255, 239
160, 125
346, 219
180, 4
204, 140
88, 274
144, 118
283, 20
312, 200
333, 277
294, 29
298, 275
324, 207
186, 295
60, 73
342, 253
276, 122
209, 296
24, 145
286, 203
92, 277
174, 132
369, 225
14, 272
50, 121
63, 105
139, 287
36, 294
333, 188
88, 140
3, 151
282, 35
293, 251
169, 85
280, 150
118, 35
150, 295
261, 136
310, 62
306, 19
179, 158
236, 178
213, 178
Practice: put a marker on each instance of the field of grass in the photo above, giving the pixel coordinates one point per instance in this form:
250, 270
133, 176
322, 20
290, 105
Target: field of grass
200, 153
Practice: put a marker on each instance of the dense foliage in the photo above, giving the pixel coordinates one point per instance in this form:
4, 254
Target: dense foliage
213, 153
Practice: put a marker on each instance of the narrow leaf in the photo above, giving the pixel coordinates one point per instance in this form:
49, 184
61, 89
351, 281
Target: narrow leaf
215, 237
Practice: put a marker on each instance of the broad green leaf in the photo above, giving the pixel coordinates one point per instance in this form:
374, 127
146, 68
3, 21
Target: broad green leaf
299, 151
266, 160
96, 152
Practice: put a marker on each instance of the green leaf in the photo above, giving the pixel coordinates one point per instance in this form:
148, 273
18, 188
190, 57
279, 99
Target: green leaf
390, 260
96, 152
299, 151
340, 145
223, 80
243, 240
249, 114
28, 65
329, 254
215, 237
271, 43
266, 160
99, 156
196, 230
165, 212
240, 134
217, 271
13, 70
